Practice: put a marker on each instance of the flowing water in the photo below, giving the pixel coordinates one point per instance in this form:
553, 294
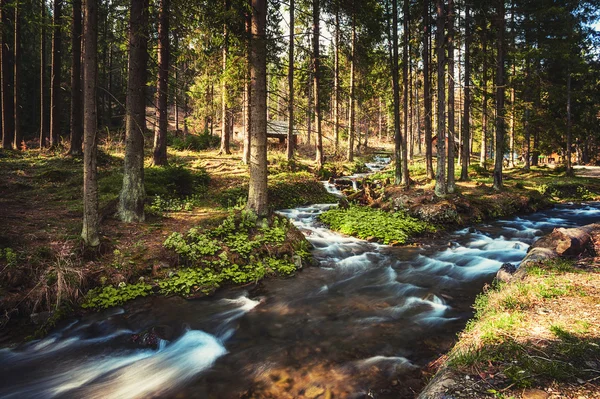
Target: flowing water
363, 324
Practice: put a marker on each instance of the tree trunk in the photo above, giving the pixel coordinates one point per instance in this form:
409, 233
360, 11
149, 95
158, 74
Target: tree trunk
43, 120
440, 178
451, 133
55, 97
336, 80
247, 92
405, 180
317, 85
484, 100
569, 136
18, 139
225, 119
427, 91
159, 153
466, 125
89, 232
352, 88
499, 99
131, 200
257, 193
396, 97
76, 111
7, 76
290, 134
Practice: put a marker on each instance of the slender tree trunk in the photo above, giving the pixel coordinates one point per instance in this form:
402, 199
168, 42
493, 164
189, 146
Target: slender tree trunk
317, 84
89, 232
309, 114
484, 111
569, 136
159, 153
466, 125
499, 99
225, 119
396, 97
440, 178
18, 139
290, 134
379, 119
427, 91
512, 88
336, 79
451, 133
76, 94
131, 200
55, 97
247, 92
257, 194
405, 180
351, 126
43, 119
7, 76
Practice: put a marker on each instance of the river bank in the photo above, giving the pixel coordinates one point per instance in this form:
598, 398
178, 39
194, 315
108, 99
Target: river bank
536, 336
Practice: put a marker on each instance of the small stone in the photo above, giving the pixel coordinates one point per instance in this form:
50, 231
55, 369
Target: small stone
394, 383
579, 380
467, 377
534, 394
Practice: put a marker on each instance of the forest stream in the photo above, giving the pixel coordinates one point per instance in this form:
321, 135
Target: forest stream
363, 324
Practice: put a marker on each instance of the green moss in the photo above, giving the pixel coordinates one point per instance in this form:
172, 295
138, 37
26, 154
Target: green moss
364, 222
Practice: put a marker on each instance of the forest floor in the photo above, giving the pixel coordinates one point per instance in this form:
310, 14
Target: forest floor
532, 338
45, 272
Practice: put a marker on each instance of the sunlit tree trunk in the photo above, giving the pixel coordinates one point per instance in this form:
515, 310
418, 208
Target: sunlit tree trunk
225, 117
159, 153
89, 232
396, 97
405, 180
247, 93
440, 178
131, 199
484, 110
317, 85
352, 90
466, 125
427, 91
336, 80
257, 194
290, 135
451, 132
500, 112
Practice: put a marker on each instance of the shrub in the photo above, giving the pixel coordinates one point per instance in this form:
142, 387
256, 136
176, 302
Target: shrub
193, 142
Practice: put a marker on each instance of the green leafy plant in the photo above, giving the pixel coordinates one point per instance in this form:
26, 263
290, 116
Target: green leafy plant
108, 296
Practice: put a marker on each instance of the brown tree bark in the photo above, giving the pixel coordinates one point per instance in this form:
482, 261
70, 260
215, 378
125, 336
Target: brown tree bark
89, 232
352, 89
500, 111
405, 179
7, 75
76, 111
336, 80
18, 139
55, 97
427, 91
396, 97
44, 138
131, 199
225, 111
159, 153
317, 85
257, 193
451, 133
466, 125
484, 108
290, 135
440, 178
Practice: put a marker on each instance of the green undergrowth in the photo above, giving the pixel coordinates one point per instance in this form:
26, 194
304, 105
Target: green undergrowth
285, 190
501, 337
242, 249
368, 223
194, 142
